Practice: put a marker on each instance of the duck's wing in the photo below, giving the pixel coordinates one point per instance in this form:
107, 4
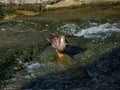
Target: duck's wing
57, 41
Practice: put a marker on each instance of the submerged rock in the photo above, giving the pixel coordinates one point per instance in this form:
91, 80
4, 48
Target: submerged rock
69, 29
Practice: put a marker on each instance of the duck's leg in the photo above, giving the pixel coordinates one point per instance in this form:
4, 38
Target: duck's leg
59, 54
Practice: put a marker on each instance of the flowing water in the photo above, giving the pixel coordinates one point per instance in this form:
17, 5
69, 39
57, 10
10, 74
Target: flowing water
43, 63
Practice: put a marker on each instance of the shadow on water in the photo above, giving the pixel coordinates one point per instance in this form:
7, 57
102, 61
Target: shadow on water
73, 50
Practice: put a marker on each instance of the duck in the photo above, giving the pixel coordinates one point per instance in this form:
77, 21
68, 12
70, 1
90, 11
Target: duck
58, 42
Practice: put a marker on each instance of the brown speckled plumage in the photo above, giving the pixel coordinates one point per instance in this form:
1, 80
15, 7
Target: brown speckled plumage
58, 42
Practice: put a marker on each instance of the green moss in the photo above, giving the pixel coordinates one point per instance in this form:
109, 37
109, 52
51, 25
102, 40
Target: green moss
67, 60
27, 42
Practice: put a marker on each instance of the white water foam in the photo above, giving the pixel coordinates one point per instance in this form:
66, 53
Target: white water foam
2, 29
30, 67
93, 31
97, 31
